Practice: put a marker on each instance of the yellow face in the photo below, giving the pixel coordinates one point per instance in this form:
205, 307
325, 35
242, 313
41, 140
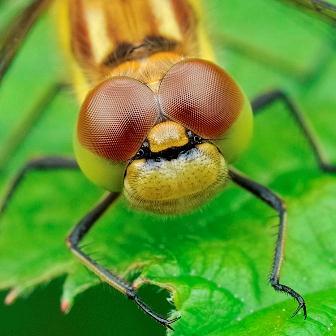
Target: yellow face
175, 173
166, 149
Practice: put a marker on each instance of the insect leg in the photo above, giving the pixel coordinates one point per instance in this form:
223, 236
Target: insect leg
324, 9
75, 237
17, 32
23, 128
43, 163
277, 95
274, 201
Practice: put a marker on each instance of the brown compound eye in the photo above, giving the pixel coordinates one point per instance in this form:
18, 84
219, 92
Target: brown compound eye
116, 117
201, 96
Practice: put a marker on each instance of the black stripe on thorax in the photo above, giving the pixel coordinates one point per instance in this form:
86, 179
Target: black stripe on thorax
127, 51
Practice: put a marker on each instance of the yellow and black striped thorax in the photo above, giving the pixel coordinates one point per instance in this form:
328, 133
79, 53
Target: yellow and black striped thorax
101, 35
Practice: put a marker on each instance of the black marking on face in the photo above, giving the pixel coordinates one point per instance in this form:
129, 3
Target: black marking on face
169, 153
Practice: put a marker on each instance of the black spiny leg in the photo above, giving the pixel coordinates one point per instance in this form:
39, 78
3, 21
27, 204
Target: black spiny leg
16, 33
264, 100
274, 201
43, 163
78, 233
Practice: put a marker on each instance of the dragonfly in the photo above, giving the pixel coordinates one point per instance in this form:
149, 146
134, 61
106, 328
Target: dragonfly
160, 122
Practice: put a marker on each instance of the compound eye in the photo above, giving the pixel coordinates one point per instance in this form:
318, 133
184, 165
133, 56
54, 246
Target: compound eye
116, 117
201, 96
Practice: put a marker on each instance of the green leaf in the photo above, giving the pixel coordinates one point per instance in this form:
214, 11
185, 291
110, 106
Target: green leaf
214, 262
275, 319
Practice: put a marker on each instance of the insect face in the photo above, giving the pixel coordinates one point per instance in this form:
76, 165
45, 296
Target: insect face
169, 143
174, 172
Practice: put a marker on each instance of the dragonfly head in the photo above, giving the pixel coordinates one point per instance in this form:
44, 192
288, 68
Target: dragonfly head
168, 150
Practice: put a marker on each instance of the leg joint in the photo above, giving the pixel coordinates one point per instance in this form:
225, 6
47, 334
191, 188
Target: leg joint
274, 282
131, 294
70, 242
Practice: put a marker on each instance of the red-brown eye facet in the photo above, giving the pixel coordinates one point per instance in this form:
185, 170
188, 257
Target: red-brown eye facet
116, 117
201, 96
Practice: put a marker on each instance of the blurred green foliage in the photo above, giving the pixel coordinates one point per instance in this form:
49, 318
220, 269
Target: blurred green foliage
216, 261
94, 314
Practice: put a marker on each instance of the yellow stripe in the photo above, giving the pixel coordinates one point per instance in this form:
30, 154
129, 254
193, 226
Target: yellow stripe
205, 47
164, 14
79, 80
97, 27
